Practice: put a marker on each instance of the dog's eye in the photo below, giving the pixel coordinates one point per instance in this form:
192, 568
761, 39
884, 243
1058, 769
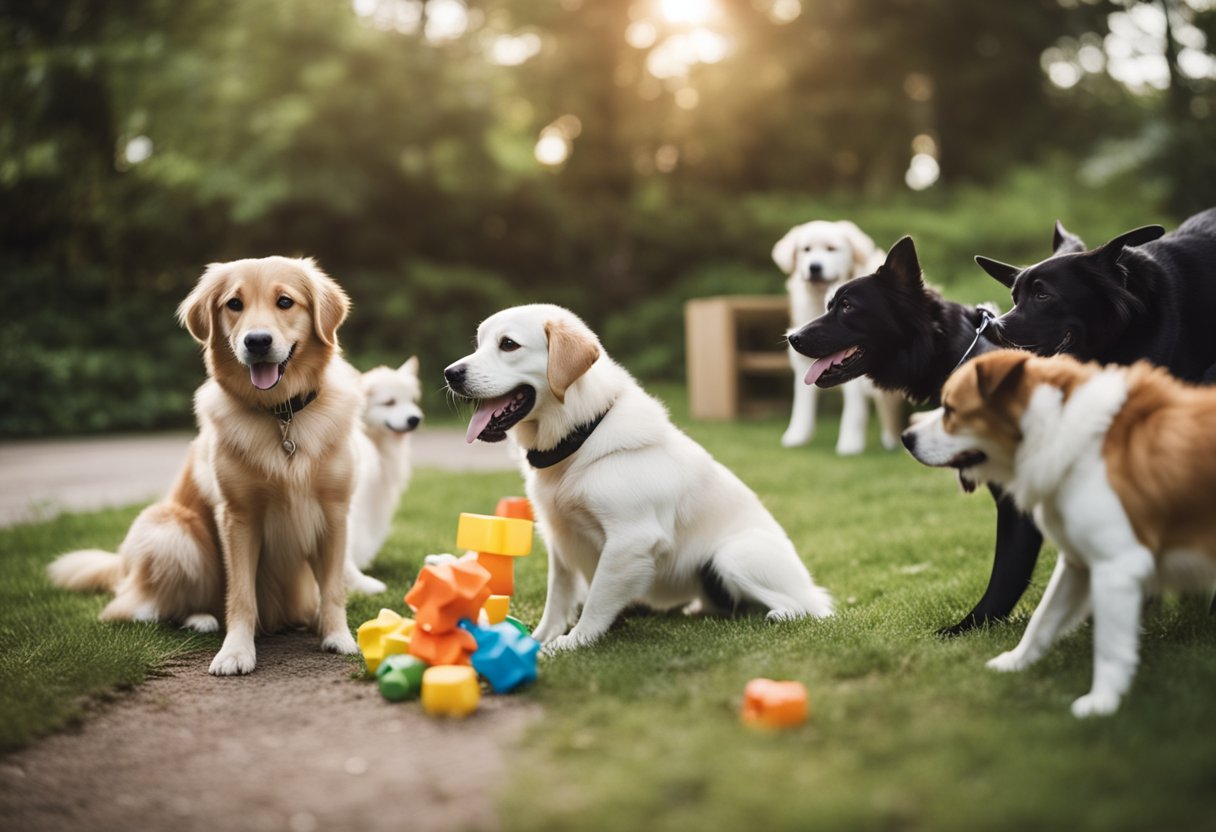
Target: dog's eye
806, 248
235, 305
1041, 296
947, 410
389, 403
831, 248
844, 304
285, 302
507, 345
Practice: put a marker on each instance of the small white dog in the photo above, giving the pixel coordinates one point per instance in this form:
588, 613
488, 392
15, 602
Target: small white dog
818, 256
632, 510
382, 466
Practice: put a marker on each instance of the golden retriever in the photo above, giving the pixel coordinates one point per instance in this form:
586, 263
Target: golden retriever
1118, 465
255, 527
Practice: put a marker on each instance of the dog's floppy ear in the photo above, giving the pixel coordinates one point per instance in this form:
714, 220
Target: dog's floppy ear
1064, 241
785, 249
197, 312
329, 303
902, 262
998, 371
1003, 272
571, 353
863, 247
1130, 239
410, 367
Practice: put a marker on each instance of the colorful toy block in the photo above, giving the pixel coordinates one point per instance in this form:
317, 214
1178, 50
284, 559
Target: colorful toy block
386, 634
505, 658
494, 535
452, 647
517, 507
502, 572
517, 624
772, 704
496, 608
447, 592
450, 691
400, 677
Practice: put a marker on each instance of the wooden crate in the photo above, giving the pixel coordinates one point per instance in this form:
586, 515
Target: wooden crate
730, 340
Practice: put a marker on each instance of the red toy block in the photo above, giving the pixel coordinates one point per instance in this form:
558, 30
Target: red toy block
502, 572
772, 704
517, 507
453, 647
447, 592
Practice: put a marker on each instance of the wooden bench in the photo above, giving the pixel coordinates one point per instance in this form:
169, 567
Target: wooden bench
729, 341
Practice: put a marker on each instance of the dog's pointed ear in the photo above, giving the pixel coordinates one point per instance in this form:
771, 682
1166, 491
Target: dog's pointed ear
902, 263
785, 249
1003, 272
330, 304
571, 353
997, 371
197, 312
1129, 239
1064, 241
863, 247
410, 367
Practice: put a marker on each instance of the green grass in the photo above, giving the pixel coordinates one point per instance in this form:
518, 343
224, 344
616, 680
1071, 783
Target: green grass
641, 730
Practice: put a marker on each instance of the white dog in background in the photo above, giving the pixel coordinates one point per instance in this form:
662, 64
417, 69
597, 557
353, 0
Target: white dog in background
631, 509
818, 256
382, 465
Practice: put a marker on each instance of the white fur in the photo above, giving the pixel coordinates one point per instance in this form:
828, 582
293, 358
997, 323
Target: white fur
640, 508
839, 251
382, 466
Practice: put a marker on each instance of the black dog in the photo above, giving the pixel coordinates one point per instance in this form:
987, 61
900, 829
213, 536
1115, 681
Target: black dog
1140, 296
906, 337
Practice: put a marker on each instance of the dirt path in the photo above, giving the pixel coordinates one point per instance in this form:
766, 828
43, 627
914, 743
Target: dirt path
296, 746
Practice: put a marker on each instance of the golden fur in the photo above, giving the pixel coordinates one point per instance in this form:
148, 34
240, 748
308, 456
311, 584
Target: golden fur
248, 531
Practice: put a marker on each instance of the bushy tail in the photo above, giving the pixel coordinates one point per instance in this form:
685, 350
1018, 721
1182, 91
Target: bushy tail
89, 570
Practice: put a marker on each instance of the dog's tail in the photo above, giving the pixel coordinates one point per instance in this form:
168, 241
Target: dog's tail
89, 570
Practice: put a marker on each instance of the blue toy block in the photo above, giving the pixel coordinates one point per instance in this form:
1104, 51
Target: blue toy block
505, 657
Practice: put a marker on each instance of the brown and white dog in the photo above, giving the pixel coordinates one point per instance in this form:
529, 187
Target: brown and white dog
1118, 465
255, 527
819, 256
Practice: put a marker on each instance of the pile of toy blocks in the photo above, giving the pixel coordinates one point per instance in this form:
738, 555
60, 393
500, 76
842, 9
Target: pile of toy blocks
461, 627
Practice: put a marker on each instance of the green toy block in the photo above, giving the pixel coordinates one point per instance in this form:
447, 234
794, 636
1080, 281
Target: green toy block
400, 677
519, 625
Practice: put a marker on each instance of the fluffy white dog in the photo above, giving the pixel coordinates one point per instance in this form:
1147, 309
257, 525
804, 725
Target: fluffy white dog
382, 466
818, 256
632, 510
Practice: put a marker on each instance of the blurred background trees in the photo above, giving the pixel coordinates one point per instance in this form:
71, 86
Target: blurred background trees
445, 158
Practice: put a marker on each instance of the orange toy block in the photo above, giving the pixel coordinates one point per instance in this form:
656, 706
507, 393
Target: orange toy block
502, 572
772, 704
453, 647
517, 507
497, 607
447, 592
494, 535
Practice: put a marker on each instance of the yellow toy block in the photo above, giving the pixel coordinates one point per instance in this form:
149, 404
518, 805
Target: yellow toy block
497, 607
370, 634
398, 641
450, 690
494, 535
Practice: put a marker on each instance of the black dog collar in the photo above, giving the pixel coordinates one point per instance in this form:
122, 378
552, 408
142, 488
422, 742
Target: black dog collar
569, 444
986, 319
285, 410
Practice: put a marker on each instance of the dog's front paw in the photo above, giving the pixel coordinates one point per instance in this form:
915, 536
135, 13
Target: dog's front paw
570, 641
1010, 662
234, 660
795, 438
890, 442
850, 445
340, 642
1096, 703
201, 623
366, 584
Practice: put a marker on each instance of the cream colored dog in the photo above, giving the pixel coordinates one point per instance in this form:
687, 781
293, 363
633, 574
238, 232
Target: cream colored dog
254, 529
819, 256
631, 509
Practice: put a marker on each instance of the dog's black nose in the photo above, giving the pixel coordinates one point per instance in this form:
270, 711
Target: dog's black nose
909, 440
455, 375
794, 340
258, 342
816, 269
413, 421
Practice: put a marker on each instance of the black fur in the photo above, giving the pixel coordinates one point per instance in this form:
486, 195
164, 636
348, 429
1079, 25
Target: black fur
1142, 296
911, 339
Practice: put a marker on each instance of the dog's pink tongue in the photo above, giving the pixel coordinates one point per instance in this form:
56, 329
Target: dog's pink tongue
821, 366
264, 376
483, 415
